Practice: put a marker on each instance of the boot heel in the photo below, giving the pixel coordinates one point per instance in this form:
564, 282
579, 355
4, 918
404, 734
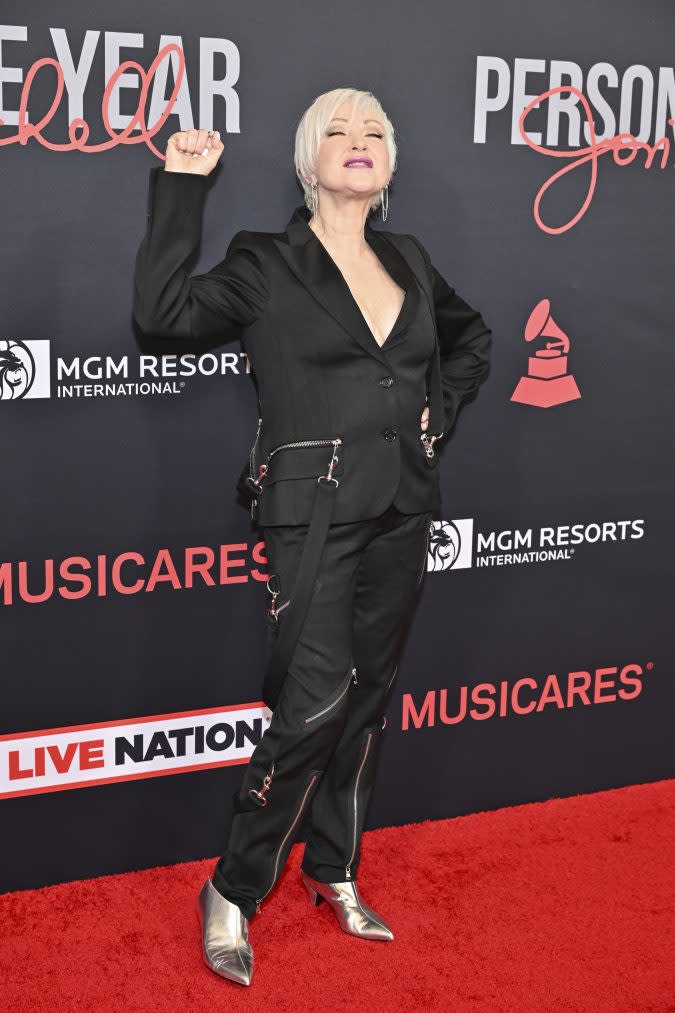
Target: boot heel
353, 915
315, 897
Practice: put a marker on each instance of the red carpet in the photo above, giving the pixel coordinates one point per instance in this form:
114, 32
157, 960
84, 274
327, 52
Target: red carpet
567, 904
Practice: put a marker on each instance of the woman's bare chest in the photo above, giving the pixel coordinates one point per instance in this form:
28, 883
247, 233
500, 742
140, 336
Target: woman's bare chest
376, 294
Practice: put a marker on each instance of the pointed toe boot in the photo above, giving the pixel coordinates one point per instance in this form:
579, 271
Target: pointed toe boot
225, 946
352, 914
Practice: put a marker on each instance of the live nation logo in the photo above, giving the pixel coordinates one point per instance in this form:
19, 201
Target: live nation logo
455, 546
79, 756
27, 371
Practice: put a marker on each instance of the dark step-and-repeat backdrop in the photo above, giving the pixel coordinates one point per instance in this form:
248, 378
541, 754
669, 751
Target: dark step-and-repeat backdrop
536, 165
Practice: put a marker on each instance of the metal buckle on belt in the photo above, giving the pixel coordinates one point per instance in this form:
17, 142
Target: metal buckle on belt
272, 611
260, 795
428, 442
331, 464
255, 484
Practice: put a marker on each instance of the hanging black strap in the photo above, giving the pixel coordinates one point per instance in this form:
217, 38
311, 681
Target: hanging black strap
290, 627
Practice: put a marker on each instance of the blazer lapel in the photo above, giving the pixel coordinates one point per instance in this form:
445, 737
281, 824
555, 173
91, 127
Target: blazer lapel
399, 268
313, 266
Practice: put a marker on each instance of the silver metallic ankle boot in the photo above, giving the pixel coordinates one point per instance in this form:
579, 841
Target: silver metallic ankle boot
352, 914
225, 946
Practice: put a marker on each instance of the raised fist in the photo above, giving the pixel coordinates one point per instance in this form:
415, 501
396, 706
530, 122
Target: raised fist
194, 151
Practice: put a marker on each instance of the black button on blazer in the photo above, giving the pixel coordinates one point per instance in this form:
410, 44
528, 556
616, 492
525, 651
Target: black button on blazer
320, 373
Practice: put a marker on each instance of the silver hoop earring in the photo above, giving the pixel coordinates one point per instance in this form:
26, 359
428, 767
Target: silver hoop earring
384, 202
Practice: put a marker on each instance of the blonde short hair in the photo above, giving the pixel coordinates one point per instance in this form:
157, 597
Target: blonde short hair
316, 118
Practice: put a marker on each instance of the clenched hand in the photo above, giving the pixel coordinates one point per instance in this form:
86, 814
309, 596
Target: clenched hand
195, 151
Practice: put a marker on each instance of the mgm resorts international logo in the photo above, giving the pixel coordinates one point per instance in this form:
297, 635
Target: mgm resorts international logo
454, 545
27, 371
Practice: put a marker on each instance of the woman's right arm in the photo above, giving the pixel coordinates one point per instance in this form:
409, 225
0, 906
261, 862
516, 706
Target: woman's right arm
167, 302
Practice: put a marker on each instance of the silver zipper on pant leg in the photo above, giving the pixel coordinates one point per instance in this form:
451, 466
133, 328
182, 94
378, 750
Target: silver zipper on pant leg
392, 678
427, 540
348, 872
352, 675
286, 836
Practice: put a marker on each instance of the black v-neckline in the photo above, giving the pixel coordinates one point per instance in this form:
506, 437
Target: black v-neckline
400, 312
387, 268
406, 293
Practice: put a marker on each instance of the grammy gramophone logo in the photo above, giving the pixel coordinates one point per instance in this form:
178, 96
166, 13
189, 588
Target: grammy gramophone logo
547, 382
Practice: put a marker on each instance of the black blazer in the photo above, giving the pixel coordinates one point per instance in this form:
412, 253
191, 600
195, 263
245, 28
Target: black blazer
320, 373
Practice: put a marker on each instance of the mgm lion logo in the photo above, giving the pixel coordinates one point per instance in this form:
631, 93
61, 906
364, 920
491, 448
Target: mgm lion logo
450, 545
17, 370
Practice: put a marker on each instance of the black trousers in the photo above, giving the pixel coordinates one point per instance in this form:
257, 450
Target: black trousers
318, 757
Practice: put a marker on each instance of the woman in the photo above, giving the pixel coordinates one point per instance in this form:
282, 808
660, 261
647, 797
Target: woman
363, 355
